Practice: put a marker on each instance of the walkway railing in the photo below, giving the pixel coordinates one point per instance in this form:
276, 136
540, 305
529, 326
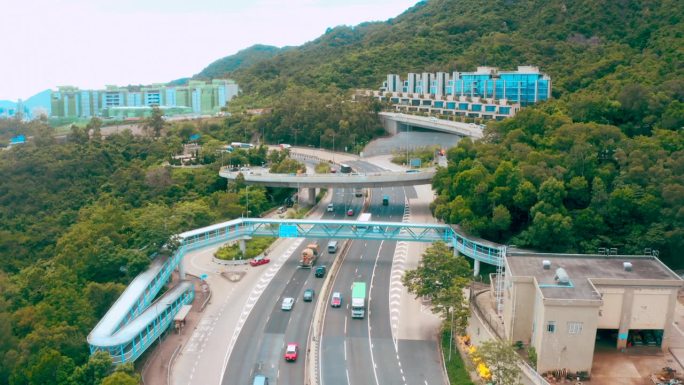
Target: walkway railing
132, 324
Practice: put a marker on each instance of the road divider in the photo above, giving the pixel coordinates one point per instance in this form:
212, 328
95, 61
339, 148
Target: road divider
311, 370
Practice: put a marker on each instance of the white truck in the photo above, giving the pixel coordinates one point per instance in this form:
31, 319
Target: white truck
358, 304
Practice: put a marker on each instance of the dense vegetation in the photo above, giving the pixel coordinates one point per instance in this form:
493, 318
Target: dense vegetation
243, 59
78, 220
544, 182
600, 165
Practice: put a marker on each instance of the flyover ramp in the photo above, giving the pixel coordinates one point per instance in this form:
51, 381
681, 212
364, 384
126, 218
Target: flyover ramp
262, 177
393, 121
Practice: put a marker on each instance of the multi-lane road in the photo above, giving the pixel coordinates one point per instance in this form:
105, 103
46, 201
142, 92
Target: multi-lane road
352, 351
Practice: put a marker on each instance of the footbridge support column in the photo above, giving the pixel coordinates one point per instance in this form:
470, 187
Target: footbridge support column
243, 246
181, 269
310, 194
476, 268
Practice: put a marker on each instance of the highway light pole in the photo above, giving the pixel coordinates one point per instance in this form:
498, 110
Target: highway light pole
451, 334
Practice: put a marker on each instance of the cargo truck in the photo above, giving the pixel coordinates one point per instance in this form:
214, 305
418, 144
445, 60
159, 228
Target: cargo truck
309, 255
358, 302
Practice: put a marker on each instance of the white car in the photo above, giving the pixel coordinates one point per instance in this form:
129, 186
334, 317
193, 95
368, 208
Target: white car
288, 302
331, 207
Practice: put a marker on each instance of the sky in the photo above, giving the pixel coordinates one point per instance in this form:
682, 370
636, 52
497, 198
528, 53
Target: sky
92, 43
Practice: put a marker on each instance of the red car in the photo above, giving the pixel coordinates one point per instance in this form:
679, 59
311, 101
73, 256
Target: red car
291, 352
336, 300
350, 212
258, 261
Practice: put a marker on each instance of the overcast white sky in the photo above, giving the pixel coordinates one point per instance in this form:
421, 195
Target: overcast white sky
90, 43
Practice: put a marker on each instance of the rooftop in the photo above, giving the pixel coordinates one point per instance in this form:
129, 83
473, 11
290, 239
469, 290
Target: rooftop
583, 270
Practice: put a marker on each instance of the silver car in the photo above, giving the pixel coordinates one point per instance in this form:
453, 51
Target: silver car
288, 302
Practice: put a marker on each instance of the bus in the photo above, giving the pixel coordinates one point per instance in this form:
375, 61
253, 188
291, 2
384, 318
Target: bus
242, 145
345, 168
364, 217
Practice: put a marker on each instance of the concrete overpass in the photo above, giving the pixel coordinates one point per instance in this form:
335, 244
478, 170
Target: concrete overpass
394, 122
261, 177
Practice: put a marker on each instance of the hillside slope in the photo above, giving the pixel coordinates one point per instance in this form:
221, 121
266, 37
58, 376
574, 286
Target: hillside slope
244, 58
584, 45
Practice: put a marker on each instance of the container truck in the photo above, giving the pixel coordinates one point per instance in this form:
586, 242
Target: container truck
309, 255
358, 302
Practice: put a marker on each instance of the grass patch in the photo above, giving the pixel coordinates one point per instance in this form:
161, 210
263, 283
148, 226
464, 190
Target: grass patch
253, 248
322, 168
456, 369
425, 154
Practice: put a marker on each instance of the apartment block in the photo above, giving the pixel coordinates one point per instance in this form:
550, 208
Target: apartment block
486, 93
197, 97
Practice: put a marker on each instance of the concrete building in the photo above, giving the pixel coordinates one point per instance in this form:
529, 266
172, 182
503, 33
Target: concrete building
197, 97
486, 93
563, 305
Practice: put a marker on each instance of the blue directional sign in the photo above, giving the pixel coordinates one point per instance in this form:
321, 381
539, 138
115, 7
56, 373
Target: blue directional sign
288, 231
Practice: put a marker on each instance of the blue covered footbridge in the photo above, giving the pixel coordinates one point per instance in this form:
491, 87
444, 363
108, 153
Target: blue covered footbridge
136, 319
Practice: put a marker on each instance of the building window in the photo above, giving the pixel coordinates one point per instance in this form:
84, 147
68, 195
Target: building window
574, 327
551, 327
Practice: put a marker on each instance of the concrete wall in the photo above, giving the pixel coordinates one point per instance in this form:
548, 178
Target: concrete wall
518, 314
609, 312
649, 308
563, 349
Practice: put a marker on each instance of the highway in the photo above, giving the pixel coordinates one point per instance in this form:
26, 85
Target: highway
352, 351
365, 351
261, 344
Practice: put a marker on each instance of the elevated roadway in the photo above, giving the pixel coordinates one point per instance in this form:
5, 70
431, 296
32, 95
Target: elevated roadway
395, 122
261, 177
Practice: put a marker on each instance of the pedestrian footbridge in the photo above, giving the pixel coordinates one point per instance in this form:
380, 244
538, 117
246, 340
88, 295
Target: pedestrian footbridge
136, 320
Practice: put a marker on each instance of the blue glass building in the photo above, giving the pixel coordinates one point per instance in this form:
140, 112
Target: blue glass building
486, 93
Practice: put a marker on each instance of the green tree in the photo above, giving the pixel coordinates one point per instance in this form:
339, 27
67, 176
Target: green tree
442, 277
155, 121
502, 361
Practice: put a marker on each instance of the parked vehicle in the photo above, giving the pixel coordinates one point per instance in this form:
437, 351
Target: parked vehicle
258, 261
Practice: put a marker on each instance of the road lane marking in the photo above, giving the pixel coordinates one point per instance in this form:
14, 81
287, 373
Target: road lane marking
370, 341
345, 350
348, 383
345, 327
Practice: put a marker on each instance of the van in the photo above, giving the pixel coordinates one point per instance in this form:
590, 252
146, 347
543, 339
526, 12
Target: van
332, 247
260, 380
331, 208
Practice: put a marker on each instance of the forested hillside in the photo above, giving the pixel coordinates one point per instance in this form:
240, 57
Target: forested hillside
244, 58
79, 220
607, 147
601, 165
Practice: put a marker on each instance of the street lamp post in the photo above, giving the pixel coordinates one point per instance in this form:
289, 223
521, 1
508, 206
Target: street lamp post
451, 334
